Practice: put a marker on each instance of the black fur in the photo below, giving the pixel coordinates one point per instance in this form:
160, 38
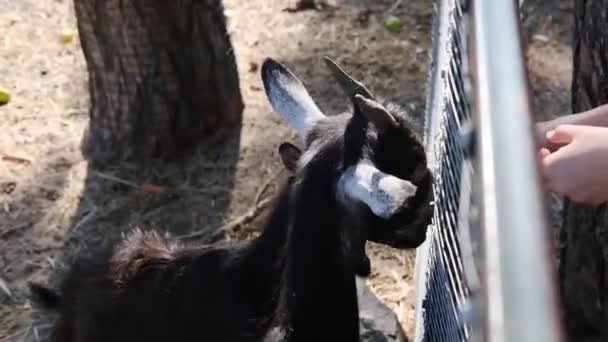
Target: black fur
44, 297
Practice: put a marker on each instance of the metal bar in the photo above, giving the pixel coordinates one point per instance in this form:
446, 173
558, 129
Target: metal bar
520, 302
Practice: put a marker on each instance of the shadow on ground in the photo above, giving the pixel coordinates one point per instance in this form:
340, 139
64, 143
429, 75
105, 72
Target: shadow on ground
200, 186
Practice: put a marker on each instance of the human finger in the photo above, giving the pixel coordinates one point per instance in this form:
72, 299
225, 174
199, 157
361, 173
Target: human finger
565, 134
554, 169
559, 136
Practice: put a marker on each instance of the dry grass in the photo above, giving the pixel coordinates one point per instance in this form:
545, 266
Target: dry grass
54, 207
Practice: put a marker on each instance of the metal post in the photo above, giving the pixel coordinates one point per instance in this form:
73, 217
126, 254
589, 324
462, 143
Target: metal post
520, 302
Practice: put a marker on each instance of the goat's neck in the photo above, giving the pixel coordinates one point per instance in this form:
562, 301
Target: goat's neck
268, 247
321, 296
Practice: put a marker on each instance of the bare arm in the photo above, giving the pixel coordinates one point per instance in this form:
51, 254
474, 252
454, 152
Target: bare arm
597, 116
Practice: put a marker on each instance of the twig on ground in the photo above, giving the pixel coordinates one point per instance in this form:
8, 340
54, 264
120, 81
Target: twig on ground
147, 187
85, 219
259, 205
13, 229
14, 336
394, 7
269, 182
115, 179
247, 217
16, 159
5, 289
211, 191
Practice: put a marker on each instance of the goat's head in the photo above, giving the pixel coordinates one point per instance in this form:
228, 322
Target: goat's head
379, 164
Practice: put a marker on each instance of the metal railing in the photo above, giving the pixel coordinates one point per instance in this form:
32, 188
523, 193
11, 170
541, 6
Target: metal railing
484, 273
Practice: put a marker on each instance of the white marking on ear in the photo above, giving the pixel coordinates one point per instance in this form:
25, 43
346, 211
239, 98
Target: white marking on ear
289, 97
384, 194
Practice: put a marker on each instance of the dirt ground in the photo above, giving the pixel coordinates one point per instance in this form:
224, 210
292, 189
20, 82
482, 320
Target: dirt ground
54, 207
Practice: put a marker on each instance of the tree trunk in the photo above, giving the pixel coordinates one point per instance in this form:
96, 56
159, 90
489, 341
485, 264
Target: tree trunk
162, 76
584, 235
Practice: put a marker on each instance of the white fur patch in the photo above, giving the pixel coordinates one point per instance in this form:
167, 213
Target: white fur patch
382, 193
293, 102
310, 153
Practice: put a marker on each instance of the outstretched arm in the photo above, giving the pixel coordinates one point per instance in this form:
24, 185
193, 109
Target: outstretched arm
597, 117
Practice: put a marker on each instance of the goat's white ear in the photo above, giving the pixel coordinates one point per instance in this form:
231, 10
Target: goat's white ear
289, 97
384, 194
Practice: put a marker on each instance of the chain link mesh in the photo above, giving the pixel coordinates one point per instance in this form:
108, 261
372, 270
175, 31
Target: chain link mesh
445, 293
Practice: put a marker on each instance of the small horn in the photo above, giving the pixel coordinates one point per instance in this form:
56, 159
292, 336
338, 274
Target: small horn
349, 85
376, 113
384, 194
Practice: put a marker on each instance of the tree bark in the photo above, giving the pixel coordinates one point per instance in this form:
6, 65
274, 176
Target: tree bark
584, 235
162, 76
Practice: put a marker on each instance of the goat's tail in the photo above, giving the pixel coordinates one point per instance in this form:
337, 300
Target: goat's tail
44, 297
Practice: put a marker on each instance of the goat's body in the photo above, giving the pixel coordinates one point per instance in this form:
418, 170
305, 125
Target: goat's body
148, 289
196, 293
294, 283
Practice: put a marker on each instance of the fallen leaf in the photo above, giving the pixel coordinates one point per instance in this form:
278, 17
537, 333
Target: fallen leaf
541, 38
253, 66
8, 187
11, 158
153, 188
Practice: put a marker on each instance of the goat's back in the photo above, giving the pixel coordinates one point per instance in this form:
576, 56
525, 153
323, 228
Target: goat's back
149, 290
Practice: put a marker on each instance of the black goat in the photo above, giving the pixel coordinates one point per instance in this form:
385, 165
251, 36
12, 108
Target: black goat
362, 172
353, 241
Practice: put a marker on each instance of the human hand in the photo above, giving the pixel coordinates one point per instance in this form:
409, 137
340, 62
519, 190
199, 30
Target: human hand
578, 168
544, 127
597, 116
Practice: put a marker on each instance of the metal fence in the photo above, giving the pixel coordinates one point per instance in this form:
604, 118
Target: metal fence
484, 273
